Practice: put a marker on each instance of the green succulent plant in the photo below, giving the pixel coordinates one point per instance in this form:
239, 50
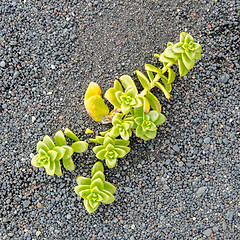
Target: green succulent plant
95, 190
49, 155
146, 124
184, 53
128, 100
110, 149
122, 127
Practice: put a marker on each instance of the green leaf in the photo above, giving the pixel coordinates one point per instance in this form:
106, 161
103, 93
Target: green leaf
143, 80
108, 140
112, 198
68, 164
138, 112
110, 95
111, 163
188, 39
96, 107
68, 152
171, 75
170, 54
97, 167
83, 181
124, 134
97, 183
80, 146
109, 187
60, 152
177, 48
49, 171
165, 59
98, 149
190, 54
98, 174
105, 197
121, 153
49, 142
150, 75
198, 55
52, 154
151, 134
189, 63
58, 170
155, 104
35, 161
85, 193
92, 90
88, 207
101, 154
121, 142
151, 68
128, 82
183, 36
43, 146
153, 115
182, 69
81, 188
198, 47
161, 119
163, 89
70, 134
117, 85
60, 139
139, 131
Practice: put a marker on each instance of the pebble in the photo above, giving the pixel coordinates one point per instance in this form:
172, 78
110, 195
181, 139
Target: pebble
207, 140
26, 203
201, 191
176, 148
2, 64
225, 141
229, 215
207, 232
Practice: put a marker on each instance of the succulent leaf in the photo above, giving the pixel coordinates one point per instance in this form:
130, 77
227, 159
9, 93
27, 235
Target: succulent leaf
68, 164
80, 146
96, 189
163, 89
60, 139
143, 80
49, 142
70, 134
92, 90
155, 104
128, 82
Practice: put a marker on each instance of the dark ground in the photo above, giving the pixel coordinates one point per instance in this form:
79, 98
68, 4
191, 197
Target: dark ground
182, 185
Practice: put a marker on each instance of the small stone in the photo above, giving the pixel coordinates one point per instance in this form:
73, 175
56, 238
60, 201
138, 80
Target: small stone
201, 191
215, 229
225, 77
207, 140
53, 67
26, 203
2, 64
176, 148
11, 234
39, 205
165, 187
33, 119
16, 74
128, 189
224, 225
225, 141
229, 215
207, 232
38, 233
13, 43
69, 216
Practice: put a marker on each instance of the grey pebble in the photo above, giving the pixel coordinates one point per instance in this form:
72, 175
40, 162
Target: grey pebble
201, 191
207, 232
176, 148
26, 203
2, 64
229, 215
207, 140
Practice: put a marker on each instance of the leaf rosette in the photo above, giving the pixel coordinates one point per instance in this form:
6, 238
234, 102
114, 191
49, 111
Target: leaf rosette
128, 100
111, 149
146, 124
95, 190
122, 127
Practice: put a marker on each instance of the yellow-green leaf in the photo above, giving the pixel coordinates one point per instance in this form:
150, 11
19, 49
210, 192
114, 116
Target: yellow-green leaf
155, 104
96, 107
143, 80
92, 90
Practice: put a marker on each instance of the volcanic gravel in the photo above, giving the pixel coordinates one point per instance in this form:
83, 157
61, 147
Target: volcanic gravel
184, 184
